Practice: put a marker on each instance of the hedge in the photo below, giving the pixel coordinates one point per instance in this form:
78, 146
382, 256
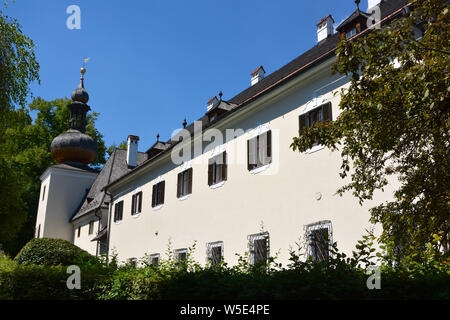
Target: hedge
53, 252
340, 277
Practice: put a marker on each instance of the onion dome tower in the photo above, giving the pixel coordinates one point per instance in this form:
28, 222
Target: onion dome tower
74, 146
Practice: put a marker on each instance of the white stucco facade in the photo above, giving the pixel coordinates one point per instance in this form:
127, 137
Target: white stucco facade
62, 190
295, 190
284, 197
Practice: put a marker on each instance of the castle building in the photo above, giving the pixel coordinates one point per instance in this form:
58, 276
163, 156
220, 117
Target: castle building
246, 192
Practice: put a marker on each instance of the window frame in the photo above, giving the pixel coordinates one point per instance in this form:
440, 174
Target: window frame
305, 120
91, 227
118, 215
257, 157
184, 183
350, 33
152, 257
210, 246
178, 252
310, 229
217, 169
158, 191
136, 203
132, 261
251, 247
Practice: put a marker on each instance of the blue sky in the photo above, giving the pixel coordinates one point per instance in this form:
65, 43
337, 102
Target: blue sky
153, 63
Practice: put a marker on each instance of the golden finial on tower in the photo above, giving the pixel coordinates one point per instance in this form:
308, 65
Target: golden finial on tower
83, 69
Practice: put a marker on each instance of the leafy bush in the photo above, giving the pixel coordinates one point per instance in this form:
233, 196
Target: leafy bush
339, 277
53, 252
40, 282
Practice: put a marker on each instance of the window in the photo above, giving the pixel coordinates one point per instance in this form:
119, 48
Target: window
136, 203
91, 227
38, 234
132, 262
214, 252
319, 239
103, 247
158, 194
184, 186
217, 169
319, 114
350, 33
43, 193
259, 247
259, 150
118, 211
78, 232
181, 255
154, 259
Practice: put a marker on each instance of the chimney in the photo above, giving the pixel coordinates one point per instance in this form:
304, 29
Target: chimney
258, 75
373, 3
325, 28
211, 103
132, 151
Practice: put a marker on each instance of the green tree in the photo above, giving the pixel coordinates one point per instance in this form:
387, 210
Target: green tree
18, 69
394, 124
122, 145
28, 148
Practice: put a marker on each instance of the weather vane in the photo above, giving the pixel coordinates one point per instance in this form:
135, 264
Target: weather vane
83, 69
85, 60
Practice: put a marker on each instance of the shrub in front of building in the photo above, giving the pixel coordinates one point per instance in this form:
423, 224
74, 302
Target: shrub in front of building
54, 252
338, 277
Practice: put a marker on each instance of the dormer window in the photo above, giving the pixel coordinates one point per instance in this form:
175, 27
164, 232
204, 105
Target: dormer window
350, 33
354, 24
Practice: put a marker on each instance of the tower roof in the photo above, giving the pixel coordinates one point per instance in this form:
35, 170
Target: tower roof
74, 145
80, 94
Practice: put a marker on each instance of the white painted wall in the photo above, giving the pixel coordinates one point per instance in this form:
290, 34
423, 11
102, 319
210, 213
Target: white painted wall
283, 198
84, 241
65, 190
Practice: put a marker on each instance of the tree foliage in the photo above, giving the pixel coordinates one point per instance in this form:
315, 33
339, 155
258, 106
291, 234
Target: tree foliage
123, 145
18, 69
27, 150
394, 125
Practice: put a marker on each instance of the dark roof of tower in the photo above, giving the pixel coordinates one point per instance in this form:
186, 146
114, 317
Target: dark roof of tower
80, 94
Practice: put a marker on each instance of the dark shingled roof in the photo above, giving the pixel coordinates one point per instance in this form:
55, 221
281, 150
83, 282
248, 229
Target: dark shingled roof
320, 52
115, 167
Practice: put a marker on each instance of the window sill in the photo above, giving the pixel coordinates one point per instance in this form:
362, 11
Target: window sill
136, 215
217, 185
159, 206
184, 197
117, 222
260, 169
314, 149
